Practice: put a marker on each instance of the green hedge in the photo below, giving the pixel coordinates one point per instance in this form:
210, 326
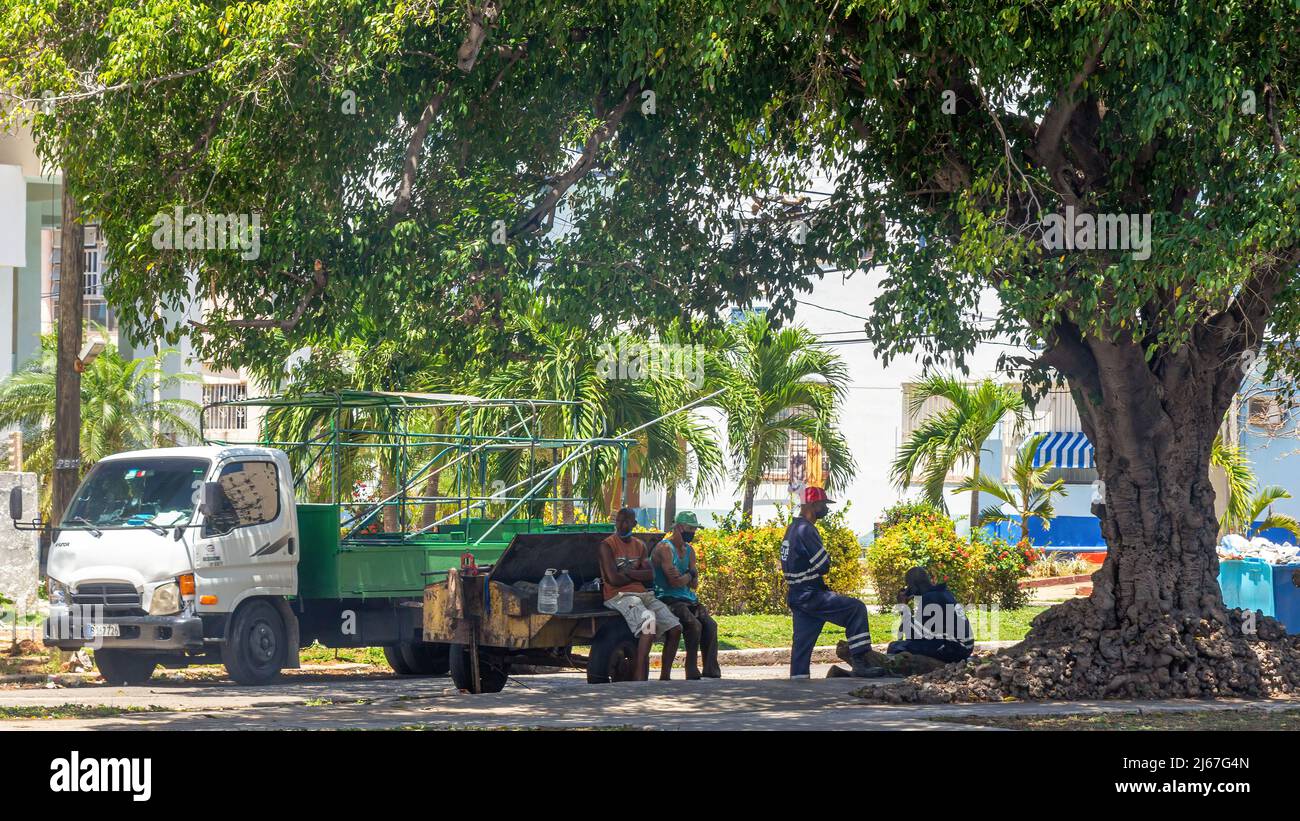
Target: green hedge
740, 568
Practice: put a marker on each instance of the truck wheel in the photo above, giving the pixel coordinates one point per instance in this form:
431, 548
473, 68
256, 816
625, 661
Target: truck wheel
418, 659
613, 651
255, 647
427, 659
393, 654
493, 669
125, 666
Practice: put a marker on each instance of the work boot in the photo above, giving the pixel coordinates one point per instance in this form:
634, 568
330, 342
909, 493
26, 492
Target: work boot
863, 669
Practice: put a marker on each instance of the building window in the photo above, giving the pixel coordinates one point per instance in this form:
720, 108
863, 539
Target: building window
226, 417
1267, 412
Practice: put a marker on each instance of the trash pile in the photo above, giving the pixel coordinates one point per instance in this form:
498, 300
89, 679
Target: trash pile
1239, 547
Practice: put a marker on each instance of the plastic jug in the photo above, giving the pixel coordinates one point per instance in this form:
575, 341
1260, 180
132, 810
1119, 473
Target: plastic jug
565, 599
548, 593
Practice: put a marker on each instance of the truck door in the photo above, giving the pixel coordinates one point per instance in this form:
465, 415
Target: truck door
252, 531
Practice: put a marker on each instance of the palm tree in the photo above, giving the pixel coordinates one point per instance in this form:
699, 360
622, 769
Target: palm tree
1245, 505
1259, 507
957, 432
1029, 494
778, 381
118, 411
565, 362
1241, 484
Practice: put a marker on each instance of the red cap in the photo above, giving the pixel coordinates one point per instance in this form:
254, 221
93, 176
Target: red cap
812, 495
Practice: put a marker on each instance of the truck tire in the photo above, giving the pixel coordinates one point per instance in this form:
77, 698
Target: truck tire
393, 654
256, 643
612, 652
125, 666
418, 659
493, 669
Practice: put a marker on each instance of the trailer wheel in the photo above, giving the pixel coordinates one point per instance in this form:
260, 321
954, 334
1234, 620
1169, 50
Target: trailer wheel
613, 653
256, 644
125, 666
419, 659
493, 669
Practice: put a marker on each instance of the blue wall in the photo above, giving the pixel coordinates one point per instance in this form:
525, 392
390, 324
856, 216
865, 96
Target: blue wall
1066, 532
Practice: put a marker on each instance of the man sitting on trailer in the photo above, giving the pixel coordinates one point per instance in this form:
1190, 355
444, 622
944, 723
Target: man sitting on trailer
625, 570
676, 579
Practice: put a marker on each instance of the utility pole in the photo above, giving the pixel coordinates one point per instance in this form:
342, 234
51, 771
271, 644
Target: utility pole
67, 379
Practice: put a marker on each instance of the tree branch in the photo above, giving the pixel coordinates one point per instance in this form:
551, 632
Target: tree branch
319, 280
559, 186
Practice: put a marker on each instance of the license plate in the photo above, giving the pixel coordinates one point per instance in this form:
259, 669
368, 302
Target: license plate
100, 631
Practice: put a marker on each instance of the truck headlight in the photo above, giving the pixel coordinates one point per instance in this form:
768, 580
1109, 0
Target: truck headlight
58, 593
166, 600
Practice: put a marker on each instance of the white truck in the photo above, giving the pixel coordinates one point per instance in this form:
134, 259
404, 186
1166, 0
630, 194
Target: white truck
175, 555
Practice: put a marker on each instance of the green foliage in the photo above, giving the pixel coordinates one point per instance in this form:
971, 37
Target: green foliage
118, 411
1245, 505
958, 431
740, 570
1029, 495
910, 509
980, 571
778, 380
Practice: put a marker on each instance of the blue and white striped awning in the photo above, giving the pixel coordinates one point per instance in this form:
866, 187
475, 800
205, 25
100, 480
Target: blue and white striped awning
1065, 449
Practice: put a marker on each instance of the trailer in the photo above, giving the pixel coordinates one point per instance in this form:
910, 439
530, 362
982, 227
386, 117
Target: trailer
488, 616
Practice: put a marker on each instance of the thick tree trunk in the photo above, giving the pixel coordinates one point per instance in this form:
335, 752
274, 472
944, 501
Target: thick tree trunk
975, 496
747, 504
67, 378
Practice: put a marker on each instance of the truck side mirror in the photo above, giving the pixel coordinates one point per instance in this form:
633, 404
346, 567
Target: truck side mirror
16, 502
210, 502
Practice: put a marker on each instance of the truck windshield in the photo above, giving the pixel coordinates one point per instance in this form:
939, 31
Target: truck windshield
146, 492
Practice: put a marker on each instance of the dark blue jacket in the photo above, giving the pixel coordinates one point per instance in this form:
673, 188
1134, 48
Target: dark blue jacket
804, 559
940, 617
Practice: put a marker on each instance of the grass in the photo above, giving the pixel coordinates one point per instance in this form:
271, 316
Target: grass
318, 654
745, 632
1245, 719
63, 711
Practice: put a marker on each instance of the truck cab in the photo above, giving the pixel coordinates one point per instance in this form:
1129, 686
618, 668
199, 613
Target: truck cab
176, 555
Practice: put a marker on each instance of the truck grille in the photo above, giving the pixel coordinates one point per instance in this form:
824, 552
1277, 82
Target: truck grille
116, 599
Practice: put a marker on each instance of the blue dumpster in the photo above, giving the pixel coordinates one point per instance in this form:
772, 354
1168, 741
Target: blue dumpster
1286, 596
1257, 586
1230, 582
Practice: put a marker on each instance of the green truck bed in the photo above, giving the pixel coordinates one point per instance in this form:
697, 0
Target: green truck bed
385, 565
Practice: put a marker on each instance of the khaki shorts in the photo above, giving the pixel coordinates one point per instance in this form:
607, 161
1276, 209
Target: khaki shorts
634, 606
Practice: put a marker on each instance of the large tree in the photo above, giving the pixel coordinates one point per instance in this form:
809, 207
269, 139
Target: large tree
984, 134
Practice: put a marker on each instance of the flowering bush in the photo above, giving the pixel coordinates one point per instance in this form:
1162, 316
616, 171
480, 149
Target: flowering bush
740, 568
979, 571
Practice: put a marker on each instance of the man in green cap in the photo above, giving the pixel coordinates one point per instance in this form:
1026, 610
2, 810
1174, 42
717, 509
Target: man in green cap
676, 579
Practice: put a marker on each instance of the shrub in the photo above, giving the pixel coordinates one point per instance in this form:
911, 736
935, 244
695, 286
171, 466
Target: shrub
905, 510
925, 541
740, 569
997, 569
983, 570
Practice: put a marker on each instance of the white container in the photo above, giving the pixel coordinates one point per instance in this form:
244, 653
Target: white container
566, 593
548, 593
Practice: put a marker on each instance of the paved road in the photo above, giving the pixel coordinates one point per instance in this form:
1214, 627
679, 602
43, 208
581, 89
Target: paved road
745, 698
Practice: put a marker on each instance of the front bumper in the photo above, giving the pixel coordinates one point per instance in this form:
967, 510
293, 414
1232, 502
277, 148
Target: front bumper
176, 633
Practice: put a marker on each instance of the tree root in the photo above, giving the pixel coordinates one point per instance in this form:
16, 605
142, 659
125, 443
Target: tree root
1070, 654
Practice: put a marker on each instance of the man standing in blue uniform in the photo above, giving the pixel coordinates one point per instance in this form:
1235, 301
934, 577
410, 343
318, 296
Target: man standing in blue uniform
804, 561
